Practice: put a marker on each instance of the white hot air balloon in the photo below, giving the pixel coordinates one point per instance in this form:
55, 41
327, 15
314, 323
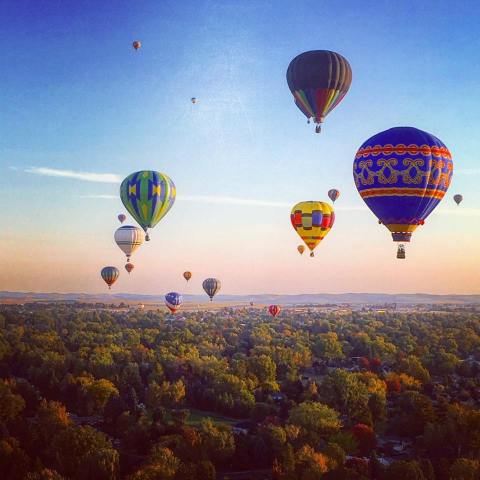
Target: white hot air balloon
129, 238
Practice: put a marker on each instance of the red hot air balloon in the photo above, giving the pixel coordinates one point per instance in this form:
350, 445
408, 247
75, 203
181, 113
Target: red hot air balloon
273, 310
136, 44
129, 267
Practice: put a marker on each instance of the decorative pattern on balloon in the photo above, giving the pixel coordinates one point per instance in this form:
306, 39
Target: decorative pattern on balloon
402, 174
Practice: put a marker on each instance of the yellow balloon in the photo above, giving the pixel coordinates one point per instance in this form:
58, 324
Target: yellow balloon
312, 221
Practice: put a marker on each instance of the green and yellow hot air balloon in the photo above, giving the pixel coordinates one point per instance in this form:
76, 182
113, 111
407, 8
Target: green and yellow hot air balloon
148, 196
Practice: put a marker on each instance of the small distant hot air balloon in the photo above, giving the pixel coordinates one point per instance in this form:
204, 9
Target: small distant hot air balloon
148, 196
301, 249
193, 100
136, 44
401, 251
312, 221
129, 238
187, 275
173, 300
129, 267
122, 217
318, 80
333, 194
211, 286
274, 310
402, 174
458, 198
110, 275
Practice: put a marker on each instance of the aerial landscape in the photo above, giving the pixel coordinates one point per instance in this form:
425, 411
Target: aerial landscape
240, 240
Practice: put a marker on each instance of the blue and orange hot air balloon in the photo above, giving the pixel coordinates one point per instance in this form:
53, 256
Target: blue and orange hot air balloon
402, 174
333, 194
318, 80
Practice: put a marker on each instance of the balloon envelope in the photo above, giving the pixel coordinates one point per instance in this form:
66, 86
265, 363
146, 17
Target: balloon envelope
333, 194
211, 286
458, 198
129, 267
318, 80
312, 221
402, 174
301, 249
187, 275
122, 217
148, 196
274, 310
136, 44
110, 275
173, 300
129, 238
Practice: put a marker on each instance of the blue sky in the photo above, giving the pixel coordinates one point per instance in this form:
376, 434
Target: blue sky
76, 97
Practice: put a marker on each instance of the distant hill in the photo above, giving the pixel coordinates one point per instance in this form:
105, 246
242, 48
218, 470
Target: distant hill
317, 298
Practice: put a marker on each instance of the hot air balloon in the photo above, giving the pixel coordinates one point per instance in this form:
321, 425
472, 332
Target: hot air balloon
333, 194
110, 275
401, 251
402, 174
274, 310
129, 238
148, 196
318, 80
301, 249
122, 217
312, 221
211, 287
187, 275
173, 300
193, 100
129, 267
136, 44
458, 199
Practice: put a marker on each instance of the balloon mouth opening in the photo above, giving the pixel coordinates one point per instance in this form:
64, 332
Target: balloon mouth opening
401, 236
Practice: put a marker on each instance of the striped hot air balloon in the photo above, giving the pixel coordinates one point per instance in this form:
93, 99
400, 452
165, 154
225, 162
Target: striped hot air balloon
312, 221
128, 239
274, 310
318, 80
333, 194
110, 275
211, 286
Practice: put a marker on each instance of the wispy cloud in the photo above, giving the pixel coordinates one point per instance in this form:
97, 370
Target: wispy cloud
231, 201
84, 176
107, 197
467, 171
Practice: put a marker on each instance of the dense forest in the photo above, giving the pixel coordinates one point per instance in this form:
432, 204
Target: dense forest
235, 394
